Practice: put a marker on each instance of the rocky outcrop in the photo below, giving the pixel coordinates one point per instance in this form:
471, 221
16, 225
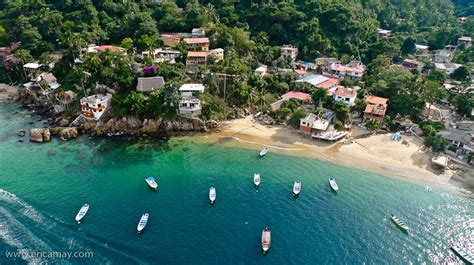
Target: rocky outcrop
65, 133
135, 126
40, 135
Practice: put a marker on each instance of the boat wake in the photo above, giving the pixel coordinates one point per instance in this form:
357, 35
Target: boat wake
23, 229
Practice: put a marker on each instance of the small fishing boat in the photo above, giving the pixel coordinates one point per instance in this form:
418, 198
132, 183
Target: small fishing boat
151, 182
142, 223
463, 253
399, 223
296, 188
266, 239
333, 184
212, 194
263, 152
82, 212
256, 179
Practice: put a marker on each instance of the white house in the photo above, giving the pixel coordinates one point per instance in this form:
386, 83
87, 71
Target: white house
218, 54
261, 70
189, 105
467, 41
344, 94
289, 51
93, 107
447, 68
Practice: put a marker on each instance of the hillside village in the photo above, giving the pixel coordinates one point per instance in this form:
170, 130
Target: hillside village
423, 88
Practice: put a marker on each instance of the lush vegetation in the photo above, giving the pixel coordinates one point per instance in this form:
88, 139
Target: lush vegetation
250, 32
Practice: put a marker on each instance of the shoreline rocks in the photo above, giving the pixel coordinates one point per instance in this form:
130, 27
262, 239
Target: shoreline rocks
40, 135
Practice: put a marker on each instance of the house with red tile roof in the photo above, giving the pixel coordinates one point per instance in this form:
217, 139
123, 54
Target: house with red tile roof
376, 108
200, 43
345, 94
353, 70
196, 59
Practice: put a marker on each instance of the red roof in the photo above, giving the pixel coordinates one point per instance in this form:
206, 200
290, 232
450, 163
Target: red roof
300, 71
376, 100
343, 91
298, 95
198, 54
331, 82
196, 40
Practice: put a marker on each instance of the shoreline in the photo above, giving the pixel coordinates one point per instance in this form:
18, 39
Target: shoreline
375, 153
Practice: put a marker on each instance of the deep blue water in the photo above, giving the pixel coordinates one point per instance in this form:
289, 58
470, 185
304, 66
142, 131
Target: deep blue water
44, 185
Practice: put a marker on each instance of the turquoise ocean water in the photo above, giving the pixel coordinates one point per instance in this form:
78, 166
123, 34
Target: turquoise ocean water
42, 186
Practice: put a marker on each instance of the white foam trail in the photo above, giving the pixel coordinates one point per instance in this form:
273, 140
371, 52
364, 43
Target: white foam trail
27, 210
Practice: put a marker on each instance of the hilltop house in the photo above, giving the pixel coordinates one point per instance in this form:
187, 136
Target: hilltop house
289, 51
45, 83
344, 94
195, 60
413, 65
443, 56
163, 55
170, 39
261, 70
319, 81
94, 106
198, 32
422, 49
150, 84
217, 54
376, 108
384, 33
198, 43
466, 41
353, 70
447, 68
189, 105
103, 48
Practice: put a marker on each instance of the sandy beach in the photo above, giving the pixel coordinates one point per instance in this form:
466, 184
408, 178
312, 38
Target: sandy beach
8, 92
376, 153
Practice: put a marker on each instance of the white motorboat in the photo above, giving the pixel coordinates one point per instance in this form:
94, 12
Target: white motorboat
399, 223
333, 184
212, 194
256, 179
82, 212
142, 223
266, 239
263, 152
151, 182
463, 253
296, 188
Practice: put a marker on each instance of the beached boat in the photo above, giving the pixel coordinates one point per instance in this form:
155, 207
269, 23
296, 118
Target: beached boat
82, 212
142, 223
256, 179
399, 223
263, 152
212, 194
266, 239
463, 253
151, 182
333, 184
296, 188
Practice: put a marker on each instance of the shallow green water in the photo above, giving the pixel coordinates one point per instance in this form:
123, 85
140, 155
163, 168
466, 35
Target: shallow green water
44, 185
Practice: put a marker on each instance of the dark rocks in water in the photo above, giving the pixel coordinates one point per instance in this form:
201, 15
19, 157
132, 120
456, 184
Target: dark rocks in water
21, 132
186, 149
20, 140
52, 153
65, 133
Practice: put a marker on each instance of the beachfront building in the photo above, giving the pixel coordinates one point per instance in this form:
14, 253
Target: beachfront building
170, 39
190, 105
345, 94
49, 81
94, 106
376, 108
319, 81
198, 32
384, 33
461, 139
66, 98
314, 123
466, 41
150, 84
289, 51
217, 54
413, 65
261, 70
198, 43
352, 70
195, 60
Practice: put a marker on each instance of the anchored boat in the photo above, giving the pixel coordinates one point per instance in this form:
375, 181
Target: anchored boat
142, 223
212, 194
82, 212
399, 223
263, 152
256, 179
296, 188
151, 182
463, 253
266, 239
333, 184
